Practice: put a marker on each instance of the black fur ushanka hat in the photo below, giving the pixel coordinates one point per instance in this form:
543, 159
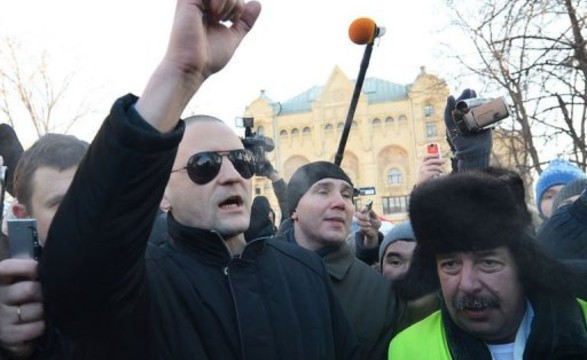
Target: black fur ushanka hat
466, 212
460, 212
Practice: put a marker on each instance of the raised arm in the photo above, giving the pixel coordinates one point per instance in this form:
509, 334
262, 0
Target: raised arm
93, 267
200, 45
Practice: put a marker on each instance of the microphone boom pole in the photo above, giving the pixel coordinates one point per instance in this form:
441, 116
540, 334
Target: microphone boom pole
353, 106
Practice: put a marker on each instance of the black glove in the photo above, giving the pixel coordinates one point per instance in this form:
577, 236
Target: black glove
471, 151
264, 168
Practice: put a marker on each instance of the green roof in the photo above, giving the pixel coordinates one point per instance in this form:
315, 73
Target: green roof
376, 90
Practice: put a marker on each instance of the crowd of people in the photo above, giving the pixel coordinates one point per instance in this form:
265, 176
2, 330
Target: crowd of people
154, 248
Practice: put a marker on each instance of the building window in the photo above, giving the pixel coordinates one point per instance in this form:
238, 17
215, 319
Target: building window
257, 191
394, 176
261, 130
339, 126
283, 133
428, 110
389, 120
376, 122
354, 124
358, 204
295, 131
328, 128
395, 204
306, 131
431, 130
402, 119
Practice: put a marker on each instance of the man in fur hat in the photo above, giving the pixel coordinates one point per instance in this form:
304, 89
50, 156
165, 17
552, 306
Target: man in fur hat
503, 297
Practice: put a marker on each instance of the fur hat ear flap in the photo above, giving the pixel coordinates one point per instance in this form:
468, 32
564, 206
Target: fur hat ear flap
421, 277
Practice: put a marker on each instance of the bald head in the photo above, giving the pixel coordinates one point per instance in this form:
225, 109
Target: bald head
197, 119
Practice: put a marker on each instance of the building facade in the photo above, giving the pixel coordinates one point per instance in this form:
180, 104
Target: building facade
390, 128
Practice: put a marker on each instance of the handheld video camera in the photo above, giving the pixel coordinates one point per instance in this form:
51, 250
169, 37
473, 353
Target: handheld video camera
257, 144
477, 114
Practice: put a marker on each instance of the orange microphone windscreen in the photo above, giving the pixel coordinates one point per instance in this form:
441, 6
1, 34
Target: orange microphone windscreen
362, 31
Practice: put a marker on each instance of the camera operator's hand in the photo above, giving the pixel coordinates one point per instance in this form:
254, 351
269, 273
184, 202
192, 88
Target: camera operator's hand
21, 307
471, 151
264, 168
369, 225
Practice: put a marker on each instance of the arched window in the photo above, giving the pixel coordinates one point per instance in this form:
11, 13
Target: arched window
328, 127
376, 122
283, 133
261, 130
306, 130
402, 119
394, 176
295, 131
354, 124
389, 120
428, 110
339, 126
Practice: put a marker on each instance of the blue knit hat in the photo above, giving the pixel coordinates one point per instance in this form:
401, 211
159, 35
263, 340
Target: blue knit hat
402, 231
558, 172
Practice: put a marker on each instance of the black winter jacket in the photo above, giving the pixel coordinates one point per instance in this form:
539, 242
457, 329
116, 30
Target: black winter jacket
188, 298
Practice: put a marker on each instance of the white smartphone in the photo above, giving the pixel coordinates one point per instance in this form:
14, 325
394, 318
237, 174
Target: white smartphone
23, 239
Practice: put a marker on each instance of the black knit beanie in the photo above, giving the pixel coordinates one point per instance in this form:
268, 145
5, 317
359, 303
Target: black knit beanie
307, 175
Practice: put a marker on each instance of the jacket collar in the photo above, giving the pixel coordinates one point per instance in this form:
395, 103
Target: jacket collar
558, 332
338, 259
208, 246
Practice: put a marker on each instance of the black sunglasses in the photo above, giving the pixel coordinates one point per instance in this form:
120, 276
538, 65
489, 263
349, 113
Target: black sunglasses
203, 167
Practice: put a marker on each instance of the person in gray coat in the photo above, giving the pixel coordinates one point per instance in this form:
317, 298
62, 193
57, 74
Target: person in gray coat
320, 201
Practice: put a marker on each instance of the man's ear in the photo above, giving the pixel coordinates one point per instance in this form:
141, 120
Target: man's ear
20, 211
165, 205
293, 216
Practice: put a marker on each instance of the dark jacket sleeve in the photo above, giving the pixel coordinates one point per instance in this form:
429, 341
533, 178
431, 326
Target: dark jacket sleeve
564, 234
92, 269
11, 151
367, 255
280, 190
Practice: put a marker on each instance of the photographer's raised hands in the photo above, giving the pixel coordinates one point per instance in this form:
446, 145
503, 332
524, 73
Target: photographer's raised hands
431, 167
201, 43
21, 308
369, 224
471, 151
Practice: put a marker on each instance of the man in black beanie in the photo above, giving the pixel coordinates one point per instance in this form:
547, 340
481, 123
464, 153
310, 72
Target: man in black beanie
503, 297
320, 201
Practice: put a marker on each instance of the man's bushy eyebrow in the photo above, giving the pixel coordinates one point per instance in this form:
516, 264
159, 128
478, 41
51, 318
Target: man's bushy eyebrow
480, 253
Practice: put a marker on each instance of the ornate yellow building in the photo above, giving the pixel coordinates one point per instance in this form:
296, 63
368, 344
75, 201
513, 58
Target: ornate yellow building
391, 126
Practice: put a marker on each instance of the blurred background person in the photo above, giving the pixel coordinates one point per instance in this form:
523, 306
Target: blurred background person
262, 219
41, 179
396, 250
558, 173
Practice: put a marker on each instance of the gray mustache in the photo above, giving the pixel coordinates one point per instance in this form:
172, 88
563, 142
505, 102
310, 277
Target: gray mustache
474, 302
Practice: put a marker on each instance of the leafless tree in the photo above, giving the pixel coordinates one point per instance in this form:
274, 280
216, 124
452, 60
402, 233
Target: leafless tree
31, 94
534, 51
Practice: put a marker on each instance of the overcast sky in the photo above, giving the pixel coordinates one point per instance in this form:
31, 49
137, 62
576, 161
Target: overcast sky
113, 46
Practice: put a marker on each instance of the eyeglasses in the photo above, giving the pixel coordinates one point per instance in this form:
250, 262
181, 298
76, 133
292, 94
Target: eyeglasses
203, 167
